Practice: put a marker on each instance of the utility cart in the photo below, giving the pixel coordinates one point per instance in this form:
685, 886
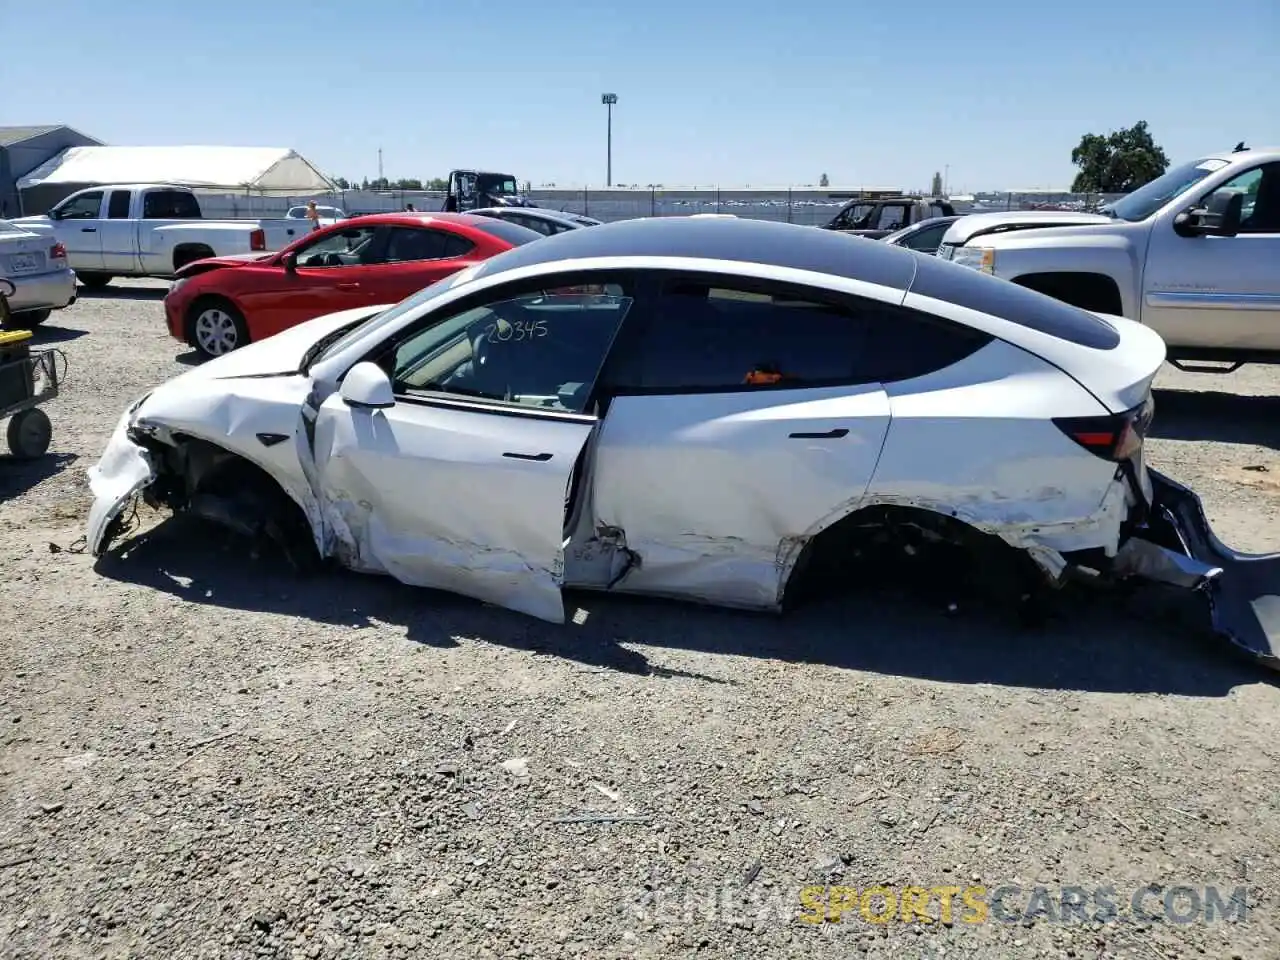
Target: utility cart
27, 379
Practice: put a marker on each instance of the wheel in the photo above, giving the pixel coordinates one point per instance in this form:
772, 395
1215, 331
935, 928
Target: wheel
94, 281
216, 328
29, 434
27, 319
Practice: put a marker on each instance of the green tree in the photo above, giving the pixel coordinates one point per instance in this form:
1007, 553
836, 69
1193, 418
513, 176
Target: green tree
342, 183
436, 183
824, 181
407, 183
1119, 162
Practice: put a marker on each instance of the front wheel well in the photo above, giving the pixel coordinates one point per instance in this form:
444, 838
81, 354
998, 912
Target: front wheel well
209, 481
1088, 291
890, 545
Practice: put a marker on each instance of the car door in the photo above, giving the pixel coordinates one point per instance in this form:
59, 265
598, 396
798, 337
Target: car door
463, 483
118, 234
77, 227
414, 257
751, 425
332, 269
1220, 292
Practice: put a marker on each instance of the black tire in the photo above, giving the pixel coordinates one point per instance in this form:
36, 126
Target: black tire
94, 281
27, 319
215, 327
29, 434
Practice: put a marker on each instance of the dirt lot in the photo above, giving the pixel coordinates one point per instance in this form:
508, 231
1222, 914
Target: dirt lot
204, 756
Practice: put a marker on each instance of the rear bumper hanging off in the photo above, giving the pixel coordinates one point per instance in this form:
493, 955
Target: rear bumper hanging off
1177, 546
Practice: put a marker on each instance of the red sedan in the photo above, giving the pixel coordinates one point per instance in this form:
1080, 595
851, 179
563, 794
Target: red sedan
222, 303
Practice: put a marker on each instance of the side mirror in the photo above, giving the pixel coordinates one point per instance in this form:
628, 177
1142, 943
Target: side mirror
367, 387
54, 214
290, 262
7, 288
1220, 217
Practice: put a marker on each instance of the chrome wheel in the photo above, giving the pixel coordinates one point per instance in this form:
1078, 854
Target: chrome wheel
216, 332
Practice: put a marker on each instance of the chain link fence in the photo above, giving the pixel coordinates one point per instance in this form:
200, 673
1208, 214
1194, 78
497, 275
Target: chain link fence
802, 205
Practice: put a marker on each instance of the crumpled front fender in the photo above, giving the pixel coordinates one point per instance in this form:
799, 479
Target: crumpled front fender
125, 468
1242, 589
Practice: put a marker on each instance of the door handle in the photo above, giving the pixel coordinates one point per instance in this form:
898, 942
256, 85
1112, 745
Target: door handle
538, 457
88, 229
835, 434
348, 286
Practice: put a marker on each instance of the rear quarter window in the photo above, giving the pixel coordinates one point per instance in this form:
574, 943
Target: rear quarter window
510, 232
1036, 311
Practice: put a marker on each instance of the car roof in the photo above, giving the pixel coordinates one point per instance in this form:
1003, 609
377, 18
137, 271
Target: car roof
975, 223
543, 212
714, 239
417, 218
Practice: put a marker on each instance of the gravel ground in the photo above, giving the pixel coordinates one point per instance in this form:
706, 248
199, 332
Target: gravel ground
204, 756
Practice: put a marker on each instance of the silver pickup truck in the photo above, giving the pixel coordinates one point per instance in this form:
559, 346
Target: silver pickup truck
1194, 254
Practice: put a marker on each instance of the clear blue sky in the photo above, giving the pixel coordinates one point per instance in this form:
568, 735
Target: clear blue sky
720, 91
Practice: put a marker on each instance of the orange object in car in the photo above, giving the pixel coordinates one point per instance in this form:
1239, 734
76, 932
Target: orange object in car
757, 378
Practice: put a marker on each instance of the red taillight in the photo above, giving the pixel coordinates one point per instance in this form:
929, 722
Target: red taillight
1117, 437
57, 252
258, 239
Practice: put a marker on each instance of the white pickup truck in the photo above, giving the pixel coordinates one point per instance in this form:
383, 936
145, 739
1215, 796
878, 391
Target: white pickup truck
1194, 254
149, 230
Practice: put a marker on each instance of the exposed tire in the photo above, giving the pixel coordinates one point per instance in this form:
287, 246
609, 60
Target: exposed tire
215, 328
29, 434
94, 281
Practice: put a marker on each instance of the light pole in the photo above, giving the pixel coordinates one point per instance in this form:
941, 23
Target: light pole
609, 99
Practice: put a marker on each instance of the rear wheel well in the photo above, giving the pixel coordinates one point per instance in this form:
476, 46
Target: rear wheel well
211, 482
918, 548
1088, 291
185, 253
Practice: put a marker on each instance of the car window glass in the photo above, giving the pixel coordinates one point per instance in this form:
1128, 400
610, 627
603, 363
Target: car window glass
456, 246
1260, 212
892, 217
415, 243
926, 239
544, 349
169, 205
118, 205
83, 207
344, 248
725, 338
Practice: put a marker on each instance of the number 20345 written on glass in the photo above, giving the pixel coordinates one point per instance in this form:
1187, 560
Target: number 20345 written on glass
520, 330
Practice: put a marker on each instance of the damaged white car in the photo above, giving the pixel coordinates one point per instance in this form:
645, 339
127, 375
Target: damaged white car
708, 409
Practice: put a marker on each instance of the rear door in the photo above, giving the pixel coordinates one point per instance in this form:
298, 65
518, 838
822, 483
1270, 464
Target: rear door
753, 422
78, 225
464, 483
119, 234
333, 270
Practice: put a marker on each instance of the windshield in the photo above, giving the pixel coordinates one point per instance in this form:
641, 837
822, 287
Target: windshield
1149, 198
391, 313
497, 185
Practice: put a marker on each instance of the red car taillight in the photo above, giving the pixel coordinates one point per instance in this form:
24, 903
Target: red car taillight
258, 239
57, 252
1117, 437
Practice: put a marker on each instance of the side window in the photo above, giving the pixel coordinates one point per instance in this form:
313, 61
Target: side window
1261, 189
84, 207
892, 217
170, 205
542, 349
345, 248
118, 205
456, 246
413, 243
720, 338
926, 240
